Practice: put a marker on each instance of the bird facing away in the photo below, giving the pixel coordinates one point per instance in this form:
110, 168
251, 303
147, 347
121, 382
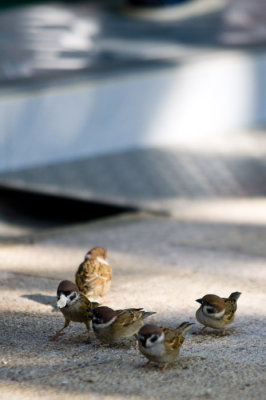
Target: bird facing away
161, 345
93, 277
217, 312
113, 326
73, 306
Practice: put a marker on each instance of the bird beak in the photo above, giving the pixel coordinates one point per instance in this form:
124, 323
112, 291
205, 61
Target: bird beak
139, 337
199, 301
62, 301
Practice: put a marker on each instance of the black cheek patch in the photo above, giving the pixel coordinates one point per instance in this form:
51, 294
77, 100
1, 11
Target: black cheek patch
211, 310
143, 342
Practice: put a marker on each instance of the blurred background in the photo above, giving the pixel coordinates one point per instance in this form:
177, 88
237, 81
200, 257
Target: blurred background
110, 106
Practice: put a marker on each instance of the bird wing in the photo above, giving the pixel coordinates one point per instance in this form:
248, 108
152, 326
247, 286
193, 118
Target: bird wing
230, 309
129, 316
128, 310
93, 272
173, 338
78, 311
86, 303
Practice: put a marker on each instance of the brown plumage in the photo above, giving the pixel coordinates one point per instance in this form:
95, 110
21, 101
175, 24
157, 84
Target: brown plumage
73, 306
94, 274
111, 326
217, 312
160, 344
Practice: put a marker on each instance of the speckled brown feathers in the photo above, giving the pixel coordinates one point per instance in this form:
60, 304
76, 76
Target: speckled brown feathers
112, 326
131, 315
160, 344
231, 305
94, 274
173, 339
77, 312
73, 306
217, 312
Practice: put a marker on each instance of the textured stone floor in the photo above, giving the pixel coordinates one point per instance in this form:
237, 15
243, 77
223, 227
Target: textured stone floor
162, 264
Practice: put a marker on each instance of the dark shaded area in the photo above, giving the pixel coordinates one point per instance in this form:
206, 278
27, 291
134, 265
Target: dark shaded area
14, 3
202, 30
35, 209
152, 3
42, 299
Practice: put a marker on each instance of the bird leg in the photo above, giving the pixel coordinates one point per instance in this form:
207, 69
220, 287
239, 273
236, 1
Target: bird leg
202, 331
59, 333
222, 332
87, 323
163, 368
146, 364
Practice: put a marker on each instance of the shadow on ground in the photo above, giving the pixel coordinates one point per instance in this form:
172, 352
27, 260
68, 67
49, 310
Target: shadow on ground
42, 299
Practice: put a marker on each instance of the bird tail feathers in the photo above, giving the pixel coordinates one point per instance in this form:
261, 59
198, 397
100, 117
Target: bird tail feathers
146, 314
185, 326
234, 296
94, 304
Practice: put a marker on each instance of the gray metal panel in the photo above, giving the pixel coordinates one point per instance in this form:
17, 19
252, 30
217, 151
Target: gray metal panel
148, 178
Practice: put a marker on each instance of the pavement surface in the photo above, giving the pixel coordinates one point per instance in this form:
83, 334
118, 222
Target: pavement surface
160, 263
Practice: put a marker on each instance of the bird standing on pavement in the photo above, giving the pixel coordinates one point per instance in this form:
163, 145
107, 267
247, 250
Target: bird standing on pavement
113, 326
93, 277
161, 345
217, 312
73, 306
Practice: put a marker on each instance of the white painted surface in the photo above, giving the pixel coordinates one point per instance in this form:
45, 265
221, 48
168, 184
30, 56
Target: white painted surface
202, 100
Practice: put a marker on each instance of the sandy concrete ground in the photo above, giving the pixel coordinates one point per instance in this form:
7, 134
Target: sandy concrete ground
161, 264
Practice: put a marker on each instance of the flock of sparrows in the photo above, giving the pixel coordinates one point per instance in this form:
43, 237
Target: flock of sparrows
158, 344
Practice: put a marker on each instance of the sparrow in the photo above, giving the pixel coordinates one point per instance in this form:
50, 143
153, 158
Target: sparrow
160, 344
73, 306
93, 277
217, 312
113, 326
